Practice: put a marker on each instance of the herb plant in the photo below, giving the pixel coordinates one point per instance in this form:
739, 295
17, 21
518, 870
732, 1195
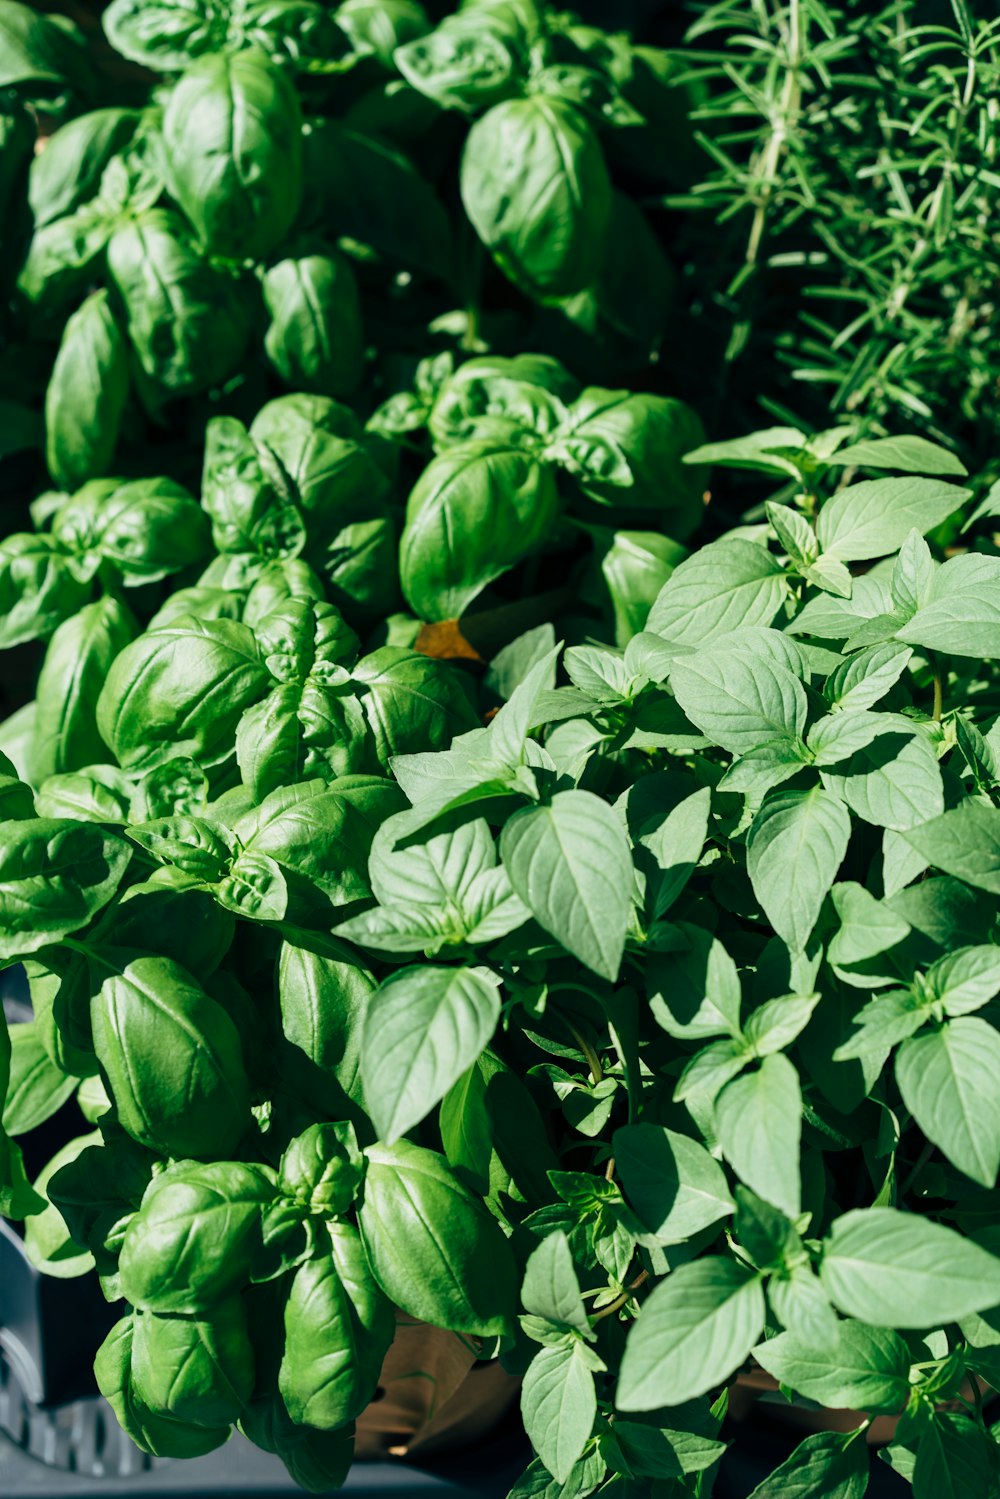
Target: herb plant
624, 997
840, 233
643, 1030
289, 197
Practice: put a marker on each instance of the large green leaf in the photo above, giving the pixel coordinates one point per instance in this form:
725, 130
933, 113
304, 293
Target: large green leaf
947, 1079
232, 133
759, 1121
960, 613
424, 1027
694, 1332
795, 847
864, 1368
432, 1246
826, 1465
671, 1181
740, 702
964, 842
536, 188
874, 518
569, 861
722, 588
55, 875
895, 1269
558, 1406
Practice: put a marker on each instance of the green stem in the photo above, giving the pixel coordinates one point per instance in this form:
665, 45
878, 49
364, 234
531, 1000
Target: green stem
593, 1060
787, 113
619, 1302
938, 706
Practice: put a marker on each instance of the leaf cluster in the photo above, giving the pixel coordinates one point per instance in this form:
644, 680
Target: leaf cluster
625, 999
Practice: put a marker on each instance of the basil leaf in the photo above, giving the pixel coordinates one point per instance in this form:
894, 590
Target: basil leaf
197, 1369
958, 614
864, 1368
942, 1076
77, 660
316, 1460
570, 864
826, 1465
323, 994
695, 1330
36, 1088
180, 690
232, 136
423, 1028
194, 1237
338, 1326
68, 172
964, 842
39, 588
672, 1182
156, 269
536, 188
433, 1249
172, 1060
474, 513
164, 35
873, 518
893, 1269
758, 1118
723, 587
55, 875
315, 340
157, 1435
86, 395
558, 1406
794, 849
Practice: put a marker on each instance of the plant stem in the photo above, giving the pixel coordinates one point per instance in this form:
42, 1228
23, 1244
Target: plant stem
938, 706
593, 1060
780, 130
619, 1302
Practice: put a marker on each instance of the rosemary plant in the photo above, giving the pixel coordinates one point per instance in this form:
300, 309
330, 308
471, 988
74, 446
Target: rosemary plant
852, 183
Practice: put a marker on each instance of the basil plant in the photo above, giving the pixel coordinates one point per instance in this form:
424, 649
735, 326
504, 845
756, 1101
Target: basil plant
291, 197
631, 1011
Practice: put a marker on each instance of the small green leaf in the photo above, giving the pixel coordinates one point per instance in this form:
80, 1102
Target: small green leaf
911, 455
558, 1406
551, 1289
759, 1121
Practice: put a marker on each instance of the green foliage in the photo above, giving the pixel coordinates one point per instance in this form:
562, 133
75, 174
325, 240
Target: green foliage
597, 961
840, 217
